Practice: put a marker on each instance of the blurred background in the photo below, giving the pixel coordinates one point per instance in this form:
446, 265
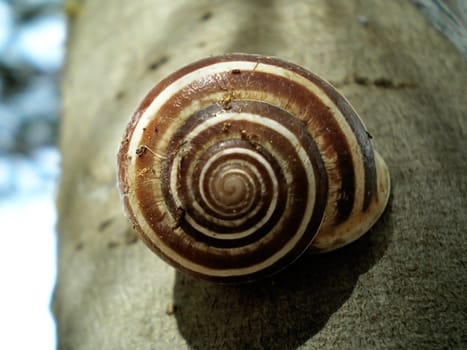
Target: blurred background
32, 49
32, 46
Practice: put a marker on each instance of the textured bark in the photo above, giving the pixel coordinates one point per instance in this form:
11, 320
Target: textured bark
401, 286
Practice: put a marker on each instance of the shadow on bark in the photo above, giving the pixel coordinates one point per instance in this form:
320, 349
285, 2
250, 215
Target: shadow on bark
278, 313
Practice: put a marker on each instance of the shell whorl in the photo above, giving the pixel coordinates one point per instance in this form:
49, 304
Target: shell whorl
232, 165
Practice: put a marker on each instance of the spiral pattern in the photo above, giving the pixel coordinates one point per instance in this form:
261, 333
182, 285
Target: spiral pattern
231, 165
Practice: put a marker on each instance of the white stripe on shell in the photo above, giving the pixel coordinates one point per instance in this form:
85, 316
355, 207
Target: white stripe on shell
237, 169
245, 164
232, 223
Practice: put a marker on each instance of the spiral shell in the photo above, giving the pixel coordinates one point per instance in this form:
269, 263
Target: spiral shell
235, 165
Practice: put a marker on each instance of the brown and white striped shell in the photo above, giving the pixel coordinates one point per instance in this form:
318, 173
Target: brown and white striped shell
235, 165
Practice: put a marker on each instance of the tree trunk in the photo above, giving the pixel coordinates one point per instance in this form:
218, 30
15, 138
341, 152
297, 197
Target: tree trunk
401, 286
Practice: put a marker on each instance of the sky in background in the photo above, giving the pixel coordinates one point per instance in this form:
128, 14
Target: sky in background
32, 37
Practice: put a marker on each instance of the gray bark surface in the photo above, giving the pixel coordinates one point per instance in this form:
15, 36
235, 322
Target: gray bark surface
401, 286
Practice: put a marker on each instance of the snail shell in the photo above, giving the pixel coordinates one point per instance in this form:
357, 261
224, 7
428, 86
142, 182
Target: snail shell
235, 165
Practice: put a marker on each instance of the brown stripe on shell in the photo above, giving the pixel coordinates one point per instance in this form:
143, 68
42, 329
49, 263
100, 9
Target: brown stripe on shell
360, 133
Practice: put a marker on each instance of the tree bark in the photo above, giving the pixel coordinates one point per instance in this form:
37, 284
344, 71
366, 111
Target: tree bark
403, 285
